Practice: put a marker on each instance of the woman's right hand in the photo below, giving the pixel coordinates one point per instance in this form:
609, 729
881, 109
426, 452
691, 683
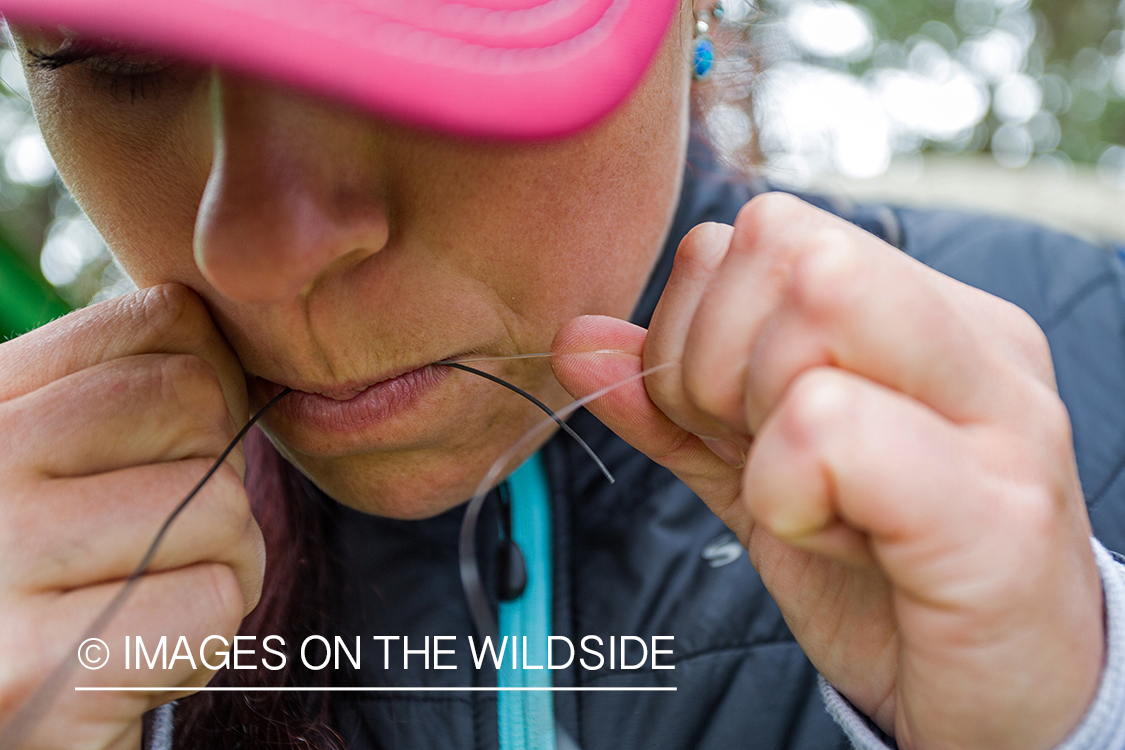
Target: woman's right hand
108, 417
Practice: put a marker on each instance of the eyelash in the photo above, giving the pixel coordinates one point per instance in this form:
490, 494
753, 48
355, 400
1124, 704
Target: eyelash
109, 68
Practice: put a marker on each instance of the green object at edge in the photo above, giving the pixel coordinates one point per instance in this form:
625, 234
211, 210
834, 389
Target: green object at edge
27, 301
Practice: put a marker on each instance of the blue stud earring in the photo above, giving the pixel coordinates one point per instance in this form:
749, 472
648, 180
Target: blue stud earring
703, 49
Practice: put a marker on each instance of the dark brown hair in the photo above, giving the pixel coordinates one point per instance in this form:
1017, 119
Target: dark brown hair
297, 601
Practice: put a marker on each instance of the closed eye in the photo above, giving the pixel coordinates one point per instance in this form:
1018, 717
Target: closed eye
129, 74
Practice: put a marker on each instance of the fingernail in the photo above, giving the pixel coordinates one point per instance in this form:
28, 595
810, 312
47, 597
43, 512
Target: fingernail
733, 454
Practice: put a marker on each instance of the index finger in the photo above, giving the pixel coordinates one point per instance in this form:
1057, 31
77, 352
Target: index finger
827, 293
169, 319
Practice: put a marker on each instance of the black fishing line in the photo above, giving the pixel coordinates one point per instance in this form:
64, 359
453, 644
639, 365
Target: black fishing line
546, 409
32, 712
471, 581
480, 609
36, 707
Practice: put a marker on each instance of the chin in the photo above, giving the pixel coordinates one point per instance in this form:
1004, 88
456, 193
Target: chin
403, 487
418, 465
408, 510
413, 505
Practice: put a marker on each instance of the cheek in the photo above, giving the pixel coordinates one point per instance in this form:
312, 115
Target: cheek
596, 227
138, 171
607, 197
574, 227
554, 234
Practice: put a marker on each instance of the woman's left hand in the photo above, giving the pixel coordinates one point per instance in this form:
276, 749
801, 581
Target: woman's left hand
909, 494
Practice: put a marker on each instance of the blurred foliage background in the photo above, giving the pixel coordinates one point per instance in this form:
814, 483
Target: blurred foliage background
847, 87
838, 88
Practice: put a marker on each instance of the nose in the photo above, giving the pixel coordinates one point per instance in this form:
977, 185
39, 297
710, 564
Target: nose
294, 193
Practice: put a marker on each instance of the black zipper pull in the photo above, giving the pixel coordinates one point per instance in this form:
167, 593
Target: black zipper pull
511, 570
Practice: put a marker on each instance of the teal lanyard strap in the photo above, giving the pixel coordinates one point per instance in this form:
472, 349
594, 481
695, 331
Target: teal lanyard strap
527, 718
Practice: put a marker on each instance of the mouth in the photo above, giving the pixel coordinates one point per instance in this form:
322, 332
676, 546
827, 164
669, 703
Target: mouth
349, 407
334, 391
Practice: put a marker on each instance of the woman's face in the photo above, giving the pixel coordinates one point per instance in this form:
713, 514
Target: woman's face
336, 251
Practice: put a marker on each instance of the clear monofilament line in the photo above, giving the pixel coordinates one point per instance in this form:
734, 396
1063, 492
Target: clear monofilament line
30, 715
548, 410
461, 362
471, 581
514, 357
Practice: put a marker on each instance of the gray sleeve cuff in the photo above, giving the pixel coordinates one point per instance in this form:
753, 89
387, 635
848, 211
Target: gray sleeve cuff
860, 730
1103, 727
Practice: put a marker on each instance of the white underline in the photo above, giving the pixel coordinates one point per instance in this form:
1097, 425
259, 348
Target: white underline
375, 689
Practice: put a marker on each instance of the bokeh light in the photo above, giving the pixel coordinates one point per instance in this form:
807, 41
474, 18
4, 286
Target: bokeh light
830, 29
27, 161
850, 88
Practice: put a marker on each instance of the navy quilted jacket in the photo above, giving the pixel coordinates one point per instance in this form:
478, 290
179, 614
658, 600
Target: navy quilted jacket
645, 557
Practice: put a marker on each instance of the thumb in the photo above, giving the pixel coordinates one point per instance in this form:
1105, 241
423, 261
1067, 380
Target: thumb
595, 352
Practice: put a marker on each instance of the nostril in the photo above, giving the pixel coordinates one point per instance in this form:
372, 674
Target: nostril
266, 247
294, 193
276, 264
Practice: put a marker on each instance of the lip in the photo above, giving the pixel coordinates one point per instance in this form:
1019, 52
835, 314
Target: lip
348, 408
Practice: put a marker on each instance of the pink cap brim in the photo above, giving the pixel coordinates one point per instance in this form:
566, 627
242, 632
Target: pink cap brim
517, 69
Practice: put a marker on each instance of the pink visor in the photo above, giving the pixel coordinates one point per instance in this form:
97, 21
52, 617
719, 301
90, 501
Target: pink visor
516, 69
